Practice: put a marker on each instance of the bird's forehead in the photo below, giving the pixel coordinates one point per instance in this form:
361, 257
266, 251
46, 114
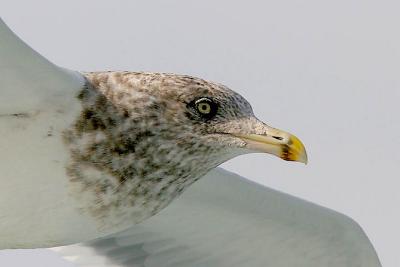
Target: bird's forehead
187, 88
169, 87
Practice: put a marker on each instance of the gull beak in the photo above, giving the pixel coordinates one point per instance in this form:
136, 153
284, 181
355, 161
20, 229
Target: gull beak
276, 142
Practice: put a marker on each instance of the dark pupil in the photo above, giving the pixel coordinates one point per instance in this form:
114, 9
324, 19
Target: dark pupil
206, 108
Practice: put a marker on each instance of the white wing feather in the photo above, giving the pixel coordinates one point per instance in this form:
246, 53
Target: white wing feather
226, 220
37, 102
28, 80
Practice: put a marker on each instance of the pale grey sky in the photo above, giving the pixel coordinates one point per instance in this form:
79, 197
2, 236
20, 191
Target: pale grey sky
327, 71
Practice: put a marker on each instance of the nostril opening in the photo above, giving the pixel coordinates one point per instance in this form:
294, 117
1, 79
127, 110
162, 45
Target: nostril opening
277, 137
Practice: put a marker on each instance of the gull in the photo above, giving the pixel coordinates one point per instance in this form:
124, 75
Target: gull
120, 169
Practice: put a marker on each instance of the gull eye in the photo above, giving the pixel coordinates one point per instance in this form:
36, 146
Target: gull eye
206, 107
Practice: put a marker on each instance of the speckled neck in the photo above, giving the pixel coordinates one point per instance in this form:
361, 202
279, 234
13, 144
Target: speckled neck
127, 161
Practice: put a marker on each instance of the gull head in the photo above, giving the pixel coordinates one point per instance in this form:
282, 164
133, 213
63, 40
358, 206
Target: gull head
153, 134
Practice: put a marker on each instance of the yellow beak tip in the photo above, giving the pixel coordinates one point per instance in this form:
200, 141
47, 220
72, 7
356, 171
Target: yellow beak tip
298, 151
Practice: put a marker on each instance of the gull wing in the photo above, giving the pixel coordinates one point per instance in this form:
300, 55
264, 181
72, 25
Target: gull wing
37, 102
28, 80
226, 220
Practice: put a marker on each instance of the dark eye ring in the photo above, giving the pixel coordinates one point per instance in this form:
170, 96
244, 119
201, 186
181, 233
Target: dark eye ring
206, 107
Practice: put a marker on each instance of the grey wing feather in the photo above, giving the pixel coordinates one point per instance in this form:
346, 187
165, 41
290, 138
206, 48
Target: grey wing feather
226, 220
